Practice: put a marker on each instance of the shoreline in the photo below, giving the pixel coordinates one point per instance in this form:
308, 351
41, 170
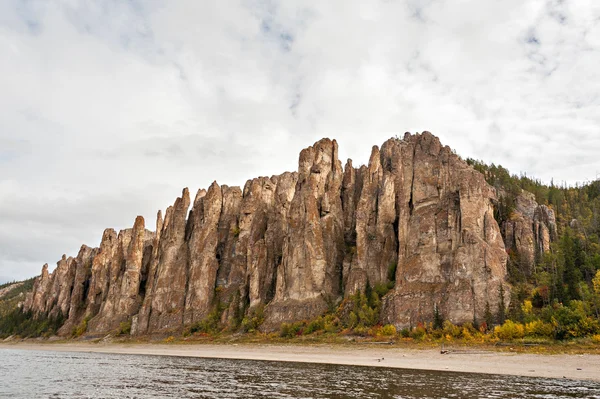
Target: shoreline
576, 367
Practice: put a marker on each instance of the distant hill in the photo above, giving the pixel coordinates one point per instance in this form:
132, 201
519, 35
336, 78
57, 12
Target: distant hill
12, 294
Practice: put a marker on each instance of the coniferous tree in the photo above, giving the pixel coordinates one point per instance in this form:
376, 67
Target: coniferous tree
501, 316
438, 320
489, 317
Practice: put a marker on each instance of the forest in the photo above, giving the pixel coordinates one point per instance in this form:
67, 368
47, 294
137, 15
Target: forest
562, 297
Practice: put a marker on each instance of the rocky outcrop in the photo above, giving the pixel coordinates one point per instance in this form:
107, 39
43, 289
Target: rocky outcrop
450, 251
374, 253
83, 269
163, 309
528, 232
36, 299
416, 217
202, 244
59, 296
101, 266
124, 276
311, 266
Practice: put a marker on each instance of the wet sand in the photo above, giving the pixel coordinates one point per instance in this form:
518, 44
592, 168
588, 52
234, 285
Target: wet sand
580, 367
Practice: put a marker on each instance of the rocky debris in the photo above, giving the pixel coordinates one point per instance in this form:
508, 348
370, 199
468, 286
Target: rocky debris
417, 218
529, 231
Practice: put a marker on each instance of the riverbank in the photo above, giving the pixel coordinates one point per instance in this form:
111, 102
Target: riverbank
580, 367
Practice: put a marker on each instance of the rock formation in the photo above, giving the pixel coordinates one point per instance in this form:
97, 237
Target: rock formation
312, 253
529, 231
417, 215
163, 309
451, 252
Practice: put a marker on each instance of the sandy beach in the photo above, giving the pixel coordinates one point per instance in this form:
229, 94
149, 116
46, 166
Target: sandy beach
580, 367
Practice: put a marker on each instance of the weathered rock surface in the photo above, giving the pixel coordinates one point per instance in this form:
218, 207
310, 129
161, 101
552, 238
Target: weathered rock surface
203, 265
313, 247
451, 252
83, 269
125, 273
163, 310
36, 299
529, 231
99, 280
292, 244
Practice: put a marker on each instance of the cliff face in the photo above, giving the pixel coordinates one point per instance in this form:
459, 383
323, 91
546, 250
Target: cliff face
529, 231
294, 243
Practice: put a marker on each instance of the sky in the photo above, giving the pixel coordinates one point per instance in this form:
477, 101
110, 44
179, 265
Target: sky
110, 108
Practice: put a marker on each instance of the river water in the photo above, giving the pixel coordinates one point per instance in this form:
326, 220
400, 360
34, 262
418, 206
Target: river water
45, 374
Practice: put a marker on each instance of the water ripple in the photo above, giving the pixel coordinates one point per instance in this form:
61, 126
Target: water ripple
28, 374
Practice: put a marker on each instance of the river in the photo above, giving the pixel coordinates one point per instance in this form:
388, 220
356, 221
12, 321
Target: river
48, 374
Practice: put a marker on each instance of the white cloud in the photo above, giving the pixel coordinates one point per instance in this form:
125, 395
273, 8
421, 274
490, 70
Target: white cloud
110, 108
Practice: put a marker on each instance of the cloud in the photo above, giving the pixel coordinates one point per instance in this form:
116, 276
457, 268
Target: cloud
110, 108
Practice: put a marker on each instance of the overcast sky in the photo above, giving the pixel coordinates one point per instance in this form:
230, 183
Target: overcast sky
110, 108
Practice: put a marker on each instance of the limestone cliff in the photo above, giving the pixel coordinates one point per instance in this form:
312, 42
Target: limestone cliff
292, 244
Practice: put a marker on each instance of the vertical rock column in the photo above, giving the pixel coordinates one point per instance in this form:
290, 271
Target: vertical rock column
63, 277
313, 249
203, 267
107, 316
165, 312
376, 247
37, 301
83, 270
528, 232
101, 266
139, 322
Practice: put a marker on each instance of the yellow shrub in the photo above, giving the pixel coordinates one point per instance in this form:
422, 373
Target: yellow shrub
527, 307
596, 339
539, 329
510, 330
388, 330
451, 329
80, 329
596, 282
466, 334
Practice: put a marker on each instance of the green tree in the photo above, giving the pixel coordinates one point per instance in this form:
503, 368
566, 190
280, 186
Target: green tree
501, 315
